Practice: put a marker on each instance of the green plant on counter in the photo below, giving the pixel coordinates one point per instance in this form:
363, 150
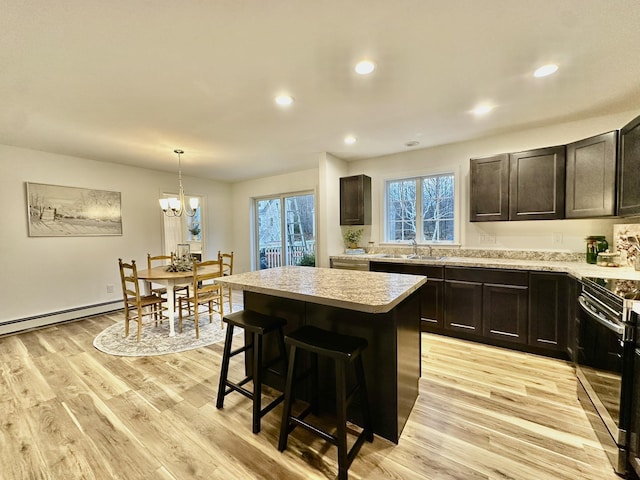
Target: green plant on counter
352, 237
308, 260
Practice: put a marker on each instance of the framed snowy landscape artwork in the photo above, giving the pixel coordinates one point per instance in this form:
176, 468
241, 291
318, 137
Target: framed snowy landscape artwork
57, 211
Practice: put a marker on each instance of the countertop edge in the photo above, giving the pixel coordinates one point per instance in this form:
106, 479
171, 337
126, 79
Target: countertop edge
366, 307
575, 269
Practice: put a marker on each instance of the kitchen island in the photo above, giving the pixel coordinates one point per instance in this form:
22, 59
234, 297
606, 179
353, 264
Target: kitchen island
380, 307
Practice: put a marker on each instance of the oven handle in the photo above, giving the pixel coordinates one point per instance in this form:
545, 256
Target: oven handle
619, 329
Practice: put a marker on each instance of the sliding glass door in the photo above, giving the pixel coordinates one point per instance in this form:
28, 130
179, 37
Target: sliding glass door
285, 230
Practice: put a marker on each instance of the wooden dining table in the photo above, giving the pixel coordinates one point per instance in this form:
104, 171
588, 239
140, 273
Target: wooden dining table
170, 280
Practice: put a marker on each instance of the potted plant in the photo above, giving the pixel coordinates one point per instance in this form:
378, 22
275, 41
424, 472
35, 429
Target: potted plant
308, 260
352, 237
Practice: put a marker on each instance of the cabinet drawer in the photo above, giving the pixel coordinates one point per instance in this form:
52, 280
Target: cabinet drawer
483, 275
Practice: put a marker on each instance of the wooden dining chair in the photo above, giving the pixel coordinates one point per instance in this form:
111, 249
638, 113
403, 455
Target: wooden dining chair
138, 307
227, 269
205, 292
180, 289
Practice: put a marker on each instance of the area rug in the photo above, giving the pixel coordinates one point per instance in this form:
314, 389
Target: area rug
155, 340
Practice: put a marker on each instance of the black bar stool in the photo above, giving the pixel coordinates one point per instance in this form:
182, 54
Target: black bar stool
258, 325
343, 350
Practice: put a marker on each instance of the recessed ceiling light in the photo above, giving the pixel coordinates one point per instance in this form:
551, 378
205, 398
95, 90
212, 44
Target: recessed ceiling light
545, 70
482, 109
365, 67
284, 100
349, 139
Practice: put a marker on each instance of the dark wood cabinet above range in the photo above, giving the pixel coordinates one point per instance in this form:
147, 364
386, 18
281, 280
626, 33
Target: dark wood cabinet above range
355, 200
489, 188
577, 180
629, 169
536, 184
591, 177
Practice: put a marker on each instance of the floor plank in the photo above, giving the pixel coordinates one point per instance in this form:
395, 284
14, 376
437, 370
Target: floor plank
68, 411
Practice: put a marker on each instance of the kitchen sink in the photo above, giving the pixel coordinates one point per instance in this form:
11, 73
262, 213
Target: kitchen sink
413, 257
425, 257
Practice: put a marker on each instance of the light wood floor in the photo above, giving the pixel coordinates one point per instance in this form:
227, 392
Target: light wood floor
68, 411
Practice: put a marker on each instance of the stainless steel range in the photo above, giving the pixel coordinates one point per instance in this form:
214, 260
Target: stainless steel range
604, 360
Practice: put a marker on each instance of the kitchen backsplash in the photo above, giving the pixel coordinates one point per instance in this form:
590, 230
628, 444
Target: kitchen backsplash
488, 253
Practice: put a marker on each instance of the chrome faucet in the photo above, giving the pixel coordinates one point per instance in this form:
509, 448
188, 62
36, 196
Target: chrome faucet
415, 247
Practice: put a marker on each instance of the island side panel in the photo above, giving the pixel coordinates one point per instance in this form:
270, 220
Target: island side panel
409, 346
293, 311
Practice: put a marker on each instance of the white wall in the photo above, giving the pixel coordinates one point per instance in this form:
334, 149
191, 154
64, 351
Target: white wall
41, 275
243, 193
328, 208
560, 235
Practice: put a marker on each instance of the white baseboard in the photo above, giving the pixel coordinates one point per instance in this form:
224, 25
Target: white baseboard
39, 321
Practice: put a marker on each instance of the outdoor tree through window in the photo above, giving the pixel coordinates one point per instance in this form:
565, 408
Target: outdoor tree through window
429, 199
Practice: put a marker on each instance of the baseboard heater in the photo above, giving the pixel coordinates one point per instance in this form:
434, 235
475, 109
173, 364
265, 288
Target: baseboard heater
39, 321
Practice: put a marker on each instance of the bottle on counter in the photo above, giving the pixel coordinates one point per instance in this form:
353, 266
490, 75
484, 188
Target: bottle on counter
595, 245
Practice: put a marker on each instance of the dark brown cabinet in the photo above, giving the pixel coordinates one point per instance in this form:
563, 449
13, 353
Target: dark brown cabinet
521, 309
463, 306
548, 310
431, 294
537, 184
487, 302
489, 198
505, 312
591, 177
355, 200
629, 169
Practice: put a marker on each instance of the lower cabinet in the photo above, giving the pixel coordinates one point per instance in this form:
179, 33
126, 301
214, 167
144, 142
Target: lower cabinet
549, 310
463, 306
505, 312
532, 311
489, 303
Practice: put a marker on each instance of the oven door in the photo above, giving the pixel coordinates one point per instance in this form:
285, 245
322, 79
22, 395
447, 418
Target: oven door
603, 360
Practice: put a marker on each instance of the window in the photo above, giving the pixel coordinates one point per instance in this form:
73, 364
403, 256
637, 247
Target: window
420, 209
285, 230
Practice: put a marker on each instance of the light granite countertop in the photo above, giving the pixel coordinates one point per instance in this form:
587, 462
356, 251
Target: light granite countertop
371, 292
576, 269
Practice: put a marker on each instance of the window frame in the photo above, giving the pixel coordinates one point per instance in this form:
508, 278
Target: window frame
419, 215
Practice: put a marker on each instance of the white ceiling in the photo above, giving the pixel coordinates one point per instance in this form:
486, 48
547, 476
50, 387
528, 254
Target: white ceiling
128, 81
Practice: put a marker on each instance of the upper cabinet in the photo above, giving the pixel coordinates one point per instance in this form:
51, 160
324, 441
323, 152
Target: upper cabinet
355, 200
629, 169
536, 184
489, 188
591, 177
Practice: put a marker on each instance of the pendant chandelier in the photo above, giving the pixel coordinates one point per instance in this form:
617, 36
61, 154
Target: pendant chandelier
175, 207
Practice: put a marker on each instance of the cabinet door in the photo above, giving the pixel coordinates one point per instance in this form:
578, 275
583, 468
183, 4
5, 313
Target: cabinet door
548, 310
432, 305
505, 312
489, 188
536, 184
463, 306
355, 200
629, 169
591, 177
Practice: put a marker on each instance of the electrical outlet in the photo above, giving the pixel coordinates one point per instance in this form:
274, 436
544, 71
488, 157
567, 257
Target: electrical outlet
110, 288
487, 238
